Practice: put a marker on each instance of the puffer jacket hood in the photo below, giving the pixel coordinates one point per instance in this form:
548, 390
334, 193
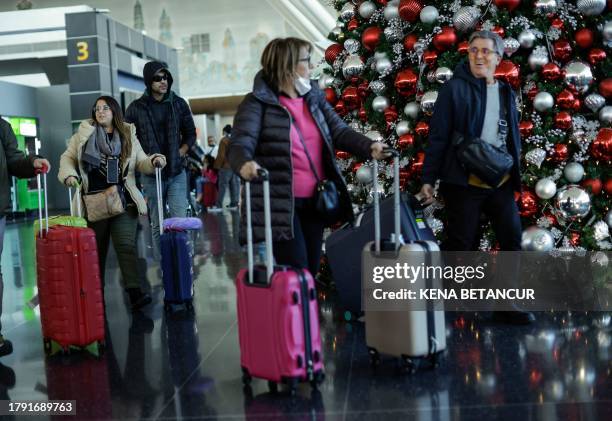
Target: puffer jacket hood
149, 71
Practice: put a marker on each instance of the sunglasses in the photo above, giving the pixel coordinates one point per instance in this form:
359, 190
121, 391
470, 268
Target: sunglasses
101, 109
159, 78
485, 51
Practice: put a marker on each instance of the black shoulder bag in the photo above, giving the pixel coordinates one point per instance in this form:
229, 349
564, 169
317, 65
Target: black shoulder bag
488, 162
326, 199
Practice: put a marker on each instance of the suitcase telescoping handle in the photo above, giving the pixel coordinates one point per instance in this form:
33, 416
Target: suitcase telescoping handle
42, 190
396, 201
265, 177
77, 193
160, 199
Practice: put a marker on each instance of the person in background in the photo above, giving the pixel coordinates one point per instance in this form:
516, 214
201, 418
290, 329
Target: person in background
211, 149
13, 163
164, 125
103, 141
286, 126
227, 177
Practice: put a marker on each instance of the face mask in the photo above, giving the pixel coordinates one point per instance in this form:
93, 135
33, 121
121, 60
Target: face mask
302, 85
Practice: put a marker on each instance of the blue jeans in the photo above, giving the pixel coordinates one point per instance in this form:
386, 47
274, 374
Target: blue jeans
227, 177
174, 193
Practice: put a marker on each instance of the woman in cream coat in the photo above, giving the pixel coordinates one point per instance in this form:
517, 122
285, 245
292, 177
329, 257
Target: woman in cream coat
105, 152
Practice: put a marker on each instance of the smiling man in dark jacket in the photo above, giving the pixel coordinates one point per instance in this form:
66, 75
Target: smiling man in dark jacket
472, 104
164, 125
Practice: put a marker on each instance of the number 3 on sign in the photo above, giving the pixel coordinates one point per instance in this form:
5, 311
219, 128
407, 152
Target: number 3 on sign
83, 51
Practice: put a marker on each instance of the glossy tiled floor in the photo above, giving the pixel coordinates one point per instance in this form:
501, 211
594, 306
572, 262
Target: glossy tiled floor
156, 367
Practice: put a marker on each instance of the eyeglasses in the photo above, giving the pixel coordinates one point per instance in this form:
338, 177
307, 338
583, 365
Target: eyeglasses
485, 51
101, 109
305, 59
159, 78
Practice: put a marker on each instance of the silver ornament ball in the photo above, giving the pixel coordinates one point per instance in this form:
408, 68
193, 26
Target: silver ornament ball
572, 202
352, 45
465, 18
573, 172
375, 136
391, 12
412, 110
352, 66
429, 14
605, 114
536, 61
364, 174
543, 101
377, 86
325, 81
431, 76
383, 65
535, 157
380, 103
545, 188
608, 218
402, 128
579, 74
511, 45
607, 33
594, 102
443, 74
428, 101
545, 6
391, 34
537, 239
367, 9
347, 12
527, 39
591, 7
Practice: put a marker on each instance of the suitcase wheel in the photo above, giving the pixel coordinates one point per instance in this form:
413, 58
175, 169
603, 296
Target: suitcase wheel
272, 386
293, 383
407, 365
374, 357
434, 360
246, 377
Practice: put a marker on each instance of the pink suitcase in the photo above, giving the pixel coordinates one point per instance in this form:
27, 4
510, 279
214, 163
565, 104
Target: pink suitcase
278, 316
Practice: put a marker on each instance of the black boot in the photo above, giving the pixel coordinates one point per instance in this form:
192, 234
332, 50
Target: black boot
138, 299
6, 347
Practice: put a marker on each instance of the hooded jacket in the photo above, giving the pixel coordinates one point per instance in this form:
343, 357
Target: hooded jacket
179, 125
461, 107
71, 164
261, 133
13, 162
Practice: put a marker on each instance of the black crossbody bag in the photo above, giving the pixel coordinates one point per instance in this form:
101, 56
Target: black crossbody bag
326, 198
487, 162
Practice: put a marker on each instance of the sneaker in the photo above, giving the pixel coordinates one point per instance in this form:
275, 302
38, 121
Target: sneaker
232, 207
6, 346
138, 299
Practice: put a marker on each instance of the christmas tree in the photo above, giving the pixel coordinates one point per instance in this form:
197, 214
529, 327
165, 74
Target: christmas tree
389, 58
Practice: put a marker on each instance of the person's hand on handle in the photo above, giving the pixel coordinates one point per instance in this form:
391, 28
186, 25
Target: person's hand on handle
427, 194
378, 151
248, 171
71, 181
41, 165
159, 161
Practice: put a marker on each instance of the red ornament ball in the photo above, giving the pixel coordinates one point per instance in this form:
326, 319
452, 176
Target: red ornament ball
463, 46
532, 93
608, 186
356, 166
577, 105
371, 37
605, 88
342, 155
499, 31
509, 73
363, 115
409, 10
409, 41
406, 82
350, 96
526, 128
445, 39
596, 55
352, 25
584, 38
560, 153
331, 53
551, 71
527, 204
574, 238
594, 185
557, 23
422, 129
390, 115
562, 50
362, 89
601, 147
430, 57
563, 120
565, 99
405, 142
330, 96
507, 4
341, 108
416, 166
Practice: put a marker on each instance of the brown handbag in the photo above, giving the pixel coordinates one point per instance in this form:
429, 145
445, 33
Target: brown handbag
104, 204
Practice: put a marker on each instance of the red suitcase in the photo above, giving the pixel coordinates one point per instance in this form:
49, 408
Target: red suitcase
69, 288
278, 317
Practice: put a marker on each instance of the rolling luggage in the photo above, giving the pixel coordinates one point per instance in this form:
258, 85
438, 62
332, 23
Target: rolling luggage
412, 335
278, 317
69, 286
209, 189
176, 256
343, 247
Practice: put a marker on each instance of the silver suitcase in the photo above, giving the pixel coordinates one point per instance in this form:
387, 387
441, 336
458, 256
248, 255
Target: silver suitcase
412, 335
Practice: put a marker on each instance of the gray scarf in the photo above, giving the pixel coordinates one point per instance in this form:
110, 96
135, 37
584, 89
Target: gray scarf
98, 145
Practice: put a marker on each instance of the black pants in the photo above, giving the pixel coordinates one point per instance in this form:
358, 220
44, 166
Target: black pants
304, 250
464, 206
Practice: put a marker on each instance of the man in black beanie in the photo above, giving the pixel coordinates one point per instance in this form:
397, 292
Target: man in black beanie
164, 125
227, 177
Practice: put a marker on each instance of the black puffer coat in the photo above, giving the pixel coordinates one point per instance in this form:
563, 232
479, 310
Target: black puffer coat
261, 133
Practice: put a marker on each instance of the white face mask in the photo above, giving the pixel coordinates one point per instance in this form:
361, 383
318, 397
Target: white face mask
302, 85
